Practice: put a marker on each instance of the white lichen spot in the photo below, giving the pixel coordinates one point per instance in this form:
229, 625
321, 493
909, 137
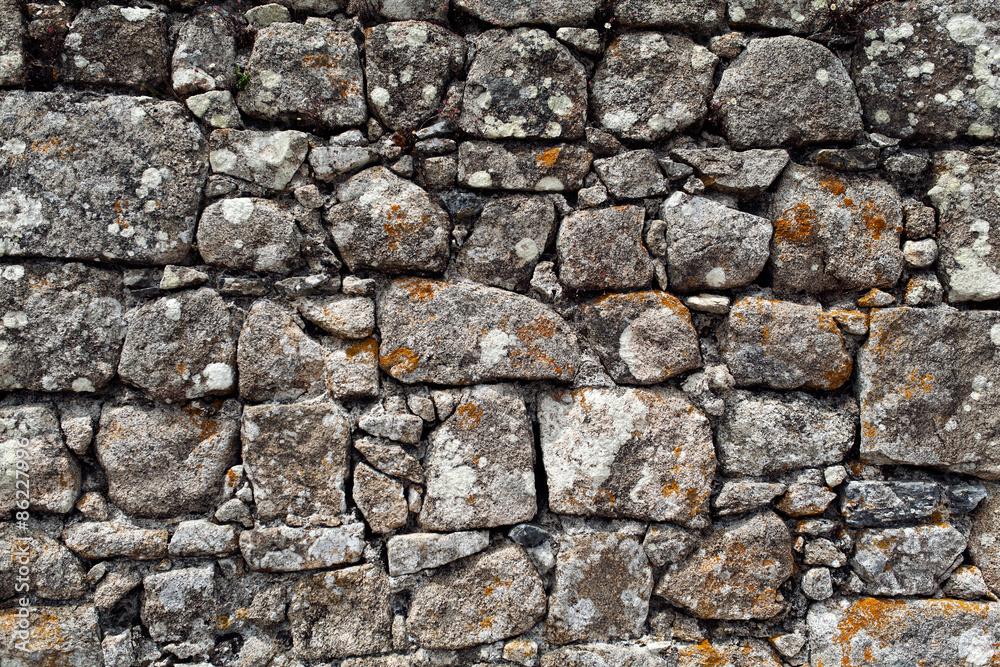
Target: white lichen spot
716, 277
966, 29
822, 76
619, 121
222, 160
549, 184
493, 347
15, 319
218, 377
269, 79
151, 178
975, 647
429, 93
561, 105
14, 146
882, 116
480, 179
527, 250
237, 211
902, 31
484, 99
13, 272
172, 309
552, 130
81, 62
736, 13
980, 131
82, 384
416, 36
135, 14
995, 334
379, 96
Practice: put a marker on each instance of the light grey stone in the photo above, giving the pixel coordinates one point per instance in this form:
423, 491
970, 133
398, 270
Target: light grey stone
329, 162
604, 655
217, 108
380, 499
800, 17
104, 539
515, 12
627, 453
425, 551
632, 175
984, 540
179, 606
695, 15
966, 583
288, 549
906, 561
805, 499
262, 16
251, 234
741, 173
268, 159
601, 249
737, 497
390, 458
33, 455
484, 165
203, 538
920, 254
54, 572
665, 544
586, 40
204, 56
12, 43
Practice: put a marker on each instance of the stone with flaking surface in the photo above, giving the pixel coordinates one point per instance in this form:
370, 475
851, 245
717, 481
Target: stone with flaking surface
601, 249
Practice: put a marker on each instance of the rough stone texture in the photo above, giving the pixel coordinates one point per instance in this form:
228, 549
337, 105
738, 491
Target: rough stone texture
296, 458
463, 333
511, 234
906, 561
54, 572
386, 223
178, 605
128, 191
742, 173
966, 203
735, 572
800, 17
515, 12
603, 655
12, 38
984, 540
641, 337
305, 74
287, 549
116, 46
32, 453
408, 65
181, 347
269, 159
834, 231
602, 586
783, 345
341, 613
343, 316
249, 234
523, 85
424, 551
519, 166
67, 636
489, 596
765, 433
737, 653
635, 453
380, 499
203, 538
917, 373
809, 99
697, 15
936, 633
632, 175
105, 539
710, 246
928, 71
602, 249
663, 90
871, 503
163, 461
480, 463
205, 56
738, 497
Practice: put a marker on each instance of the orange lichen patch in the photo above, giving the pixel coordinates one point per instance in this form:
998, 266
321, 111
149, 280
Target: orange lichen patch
398, 228
222, 622
869, 430
918, 384
874, 219
601, 491
468, 416
878, 619
795, 224
834, 377
486, 622
400, 361
644, 299
529, 333
182, 369
368, 346
495, 583
548, 158
420, 289
833, 185
702, 655
471, 499
207, 427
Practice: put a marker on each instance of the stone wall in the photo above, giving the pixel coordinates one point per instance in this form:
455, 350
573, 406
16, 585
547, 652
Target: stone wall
560, 332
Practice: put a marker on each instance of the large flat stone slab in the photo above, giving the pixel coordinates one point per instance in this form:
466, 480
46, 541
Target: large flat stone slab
106, 179
930, 389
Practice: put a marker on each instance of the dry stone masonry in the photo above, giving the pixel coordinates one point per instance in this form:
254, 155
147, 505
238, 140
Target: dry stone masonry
562, 333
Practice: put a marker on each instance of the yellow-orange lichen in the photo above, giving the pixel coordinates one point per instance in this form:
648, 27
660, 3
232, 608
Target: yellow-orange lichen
468, 416
796, 224
400, 361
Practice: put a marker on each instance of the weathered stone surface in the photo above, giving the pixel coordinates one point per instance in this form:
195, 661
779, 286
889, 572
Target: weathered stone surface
641, 337
179, 606
489, 596
163, 461
738, 497
386, 223
635, 453
523, 85
805, 499
602, 249
632, 175
305, 73
352, 368
250, 234
407, 68
984, 541
53, 573
424, 551
927, 71
808, 99
518, 166
341, 613
276, 359
395, 425
205, 55
67, 636
296, 458
664, 90
742, 173
967, 206
906, 561
116, 46
711, 246
203, 538
918, 372
515, 12
287, 549
269, 159
603, 655
457, 333
735, 572
935, 633
181, 347
665, 544
783, 345
51, 472
40, 352
601, 592
107, 539
128, 191
834, 231
697, 15
390, 458
800, 17
217, 108
380, 498
480, 463
511, 234
871, 503
765, 433
343, 316
734, 653
12, 38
